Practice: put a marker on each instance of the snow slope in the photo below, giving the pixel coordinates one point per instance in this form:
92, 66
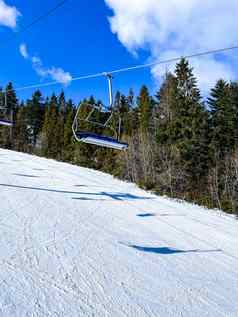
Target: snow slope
76, 242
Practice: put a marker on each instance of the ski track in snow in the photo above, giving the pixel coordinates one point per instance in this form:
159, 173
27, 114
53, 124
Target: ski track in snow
77, 242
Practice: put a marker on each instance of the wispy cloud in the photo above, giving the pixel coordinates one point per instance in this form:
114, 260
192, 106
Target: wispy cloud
55, 73
8, 15
179, 27
23, 51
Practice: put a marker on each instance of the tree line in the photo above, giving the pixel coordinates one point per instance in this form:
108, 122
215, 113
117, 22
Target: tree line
180, 144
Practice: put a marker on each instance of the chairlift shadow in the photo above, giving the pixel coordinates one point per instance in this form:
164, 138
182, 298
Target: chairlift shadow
168, 250
160, 215
146, 215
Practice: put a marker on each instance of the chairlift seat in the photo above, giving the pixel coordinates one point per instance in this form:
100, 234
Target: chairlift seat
101, 140
7, 123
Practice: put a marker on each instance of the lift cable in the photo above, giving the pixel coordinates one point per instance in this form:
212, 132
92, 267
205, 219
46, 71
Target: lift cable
36, 20
132, 68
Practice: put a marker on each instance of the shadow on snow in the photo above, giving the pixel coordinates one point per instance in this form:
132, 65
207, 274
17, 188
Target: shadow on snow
146, 215
115, 196
159, 215
167, 251
26, 175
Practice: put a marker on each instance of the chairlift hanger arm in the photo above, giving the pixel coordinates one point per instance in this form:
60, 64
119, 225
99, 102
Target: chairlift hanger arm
109, 78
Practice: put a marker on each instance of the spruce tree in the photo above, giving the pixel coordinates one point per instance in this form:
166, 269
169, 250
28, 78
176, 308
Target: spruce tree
191, 120
165, 113
34, 117
62, 103
21, 141
50, 130
234, 102
223, 119
183, 124
68, 139
145, 109
11, 98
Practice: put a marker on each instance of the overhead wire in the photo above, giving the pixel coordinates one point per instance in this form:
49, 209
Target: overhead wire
175, 59
43, 16
126, 69
131, 68
37, 20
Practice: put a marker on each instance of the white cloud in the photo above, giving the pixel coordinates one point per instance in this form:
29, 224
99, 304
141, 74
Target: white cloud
8, 15
60, 75
179, 27
56, 73
23, 51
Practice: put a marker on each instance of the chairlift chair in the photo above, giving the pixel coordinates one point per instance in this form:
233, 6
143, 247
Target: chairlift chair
3, 111
98, 139
6, 123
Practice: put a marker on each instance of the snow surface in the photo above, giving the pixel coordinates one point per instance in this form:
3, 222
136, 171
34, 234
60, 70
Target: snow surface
77, 242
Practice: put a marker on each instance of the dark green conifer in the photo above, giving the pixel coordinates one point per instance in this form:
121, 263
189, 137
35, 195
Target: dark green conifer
223, 119
145, 109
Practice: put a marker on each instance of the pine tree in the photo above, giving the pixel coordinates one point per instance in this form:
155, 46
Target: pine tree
165, 112
50, 142
234, 102
191, 120
68, 140
223, 119
183, 126
132, 121
34, 117
145, 109
21, 141
62, 103
11, 98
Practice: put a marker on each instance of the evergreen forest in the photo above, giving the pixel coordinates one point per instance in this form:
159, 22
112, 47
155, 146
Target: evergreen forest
181, 144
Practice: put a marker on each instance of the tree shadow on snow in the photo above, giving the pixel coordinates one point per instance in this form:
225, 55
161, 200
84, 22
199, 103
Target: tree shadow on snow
171, 215
26, 175
88, 199
98, 195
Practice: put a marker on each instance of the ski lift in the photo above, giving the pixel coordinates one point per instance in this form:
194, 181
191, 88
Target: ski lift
3, 111
97, 139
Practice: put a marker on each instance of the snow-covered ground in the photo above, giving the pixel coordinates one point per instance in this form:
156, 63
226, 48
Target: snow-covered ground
76, 242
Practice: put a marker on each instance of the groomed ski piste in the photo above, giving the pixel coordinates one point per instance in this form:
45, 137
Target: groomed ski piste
77, 242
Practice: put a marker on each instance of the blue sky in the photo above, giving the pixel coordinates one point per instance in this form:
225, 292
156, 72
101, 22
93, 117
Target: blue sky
77, 38
80, 39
